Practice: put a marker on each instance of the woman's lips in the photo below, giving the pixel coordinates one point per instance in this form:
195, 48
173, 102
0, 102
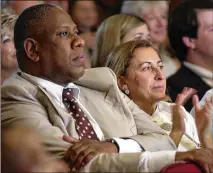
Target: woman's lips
160, 87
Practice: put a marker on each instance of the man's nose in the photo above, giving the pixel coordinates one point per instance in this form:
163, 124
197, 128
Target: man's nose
78, 43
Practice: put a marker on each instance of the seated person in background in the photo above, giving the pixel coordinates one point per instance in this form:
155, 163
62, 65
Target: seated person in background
87, 15
155, 13
109, 35
140, 76
8, 54
22, 151
191, 38
18, 6
43, 96
207, 102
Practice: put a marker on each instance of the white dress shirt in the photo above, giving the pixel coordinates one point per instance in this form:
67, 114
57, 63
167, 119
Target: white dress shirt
149, 161
206, 75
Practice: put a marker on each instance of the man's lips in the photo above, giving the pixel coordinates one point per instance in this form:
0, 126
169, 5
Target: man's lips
79, 58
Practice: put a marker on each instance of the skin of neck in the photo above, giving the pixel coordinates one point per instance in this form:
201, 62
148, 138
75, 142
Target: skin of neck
200, 60
147, 106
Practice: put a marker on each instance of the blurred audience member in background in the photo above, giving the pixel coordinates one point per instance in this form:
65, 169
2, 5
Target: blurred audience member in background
115, 30
18, 6
62, 3
191, 36
110, 7
8, 54
22, 151
87, 15
155, 15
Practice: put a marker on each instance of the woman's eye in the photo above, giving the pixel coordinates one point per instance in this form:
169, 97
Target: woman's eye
161, 67
146, 69
6, 41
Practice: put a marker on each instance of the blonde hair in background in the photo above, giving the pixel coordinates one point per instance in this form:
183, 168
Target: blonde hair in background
120, 58
141, 8
110, 34
7, 20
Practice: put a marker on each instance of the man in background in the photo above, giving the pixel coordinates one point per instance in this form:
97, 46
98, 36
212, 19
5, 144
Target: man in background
191, 36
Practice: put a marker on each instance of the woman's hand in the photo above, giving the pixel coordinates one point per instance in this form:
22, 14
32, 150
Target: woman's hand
178, 124
203, 121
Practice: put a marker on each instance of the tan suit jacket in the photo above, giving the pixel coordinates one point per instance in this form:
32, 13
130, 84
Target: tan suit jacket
28, 104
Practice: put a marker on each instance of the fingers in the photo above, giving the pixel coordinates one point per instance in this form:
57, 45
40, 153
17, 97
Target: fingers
208, 107
82, 160
206, 168
195, 102
71, 152
90, 156
69, 139
184, 96
75, 150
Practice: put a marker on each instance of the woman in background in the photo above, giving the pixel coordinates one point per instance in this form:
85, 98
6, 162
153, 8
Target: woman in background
155, 13
9, 63
115, 30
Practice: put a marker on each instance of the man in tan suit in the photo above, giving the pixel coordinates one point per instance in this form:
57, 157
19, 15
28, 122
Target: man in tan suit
49, 54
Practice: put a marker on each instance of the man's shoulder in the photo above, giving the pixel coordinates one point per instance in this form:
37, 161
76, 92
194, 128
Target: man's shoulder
182, 72
16, 85
98, 78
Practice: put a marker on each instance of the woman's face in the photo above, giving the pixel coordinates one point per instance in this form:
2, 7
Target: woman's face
156, 20
85, 14
140, 32
8, 52
145, 78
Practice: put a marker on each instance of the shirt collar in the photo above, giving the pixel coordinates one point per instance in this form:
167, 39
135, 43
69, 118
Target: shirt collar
52, 88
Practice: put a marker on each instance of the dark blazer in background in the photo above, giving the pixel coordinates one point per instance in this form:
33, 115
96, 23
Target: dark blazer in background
184, 77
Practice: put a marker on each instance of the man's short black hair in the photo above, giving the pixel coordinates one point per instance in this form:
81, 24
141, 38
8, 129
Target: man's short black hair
29, 21
183, 22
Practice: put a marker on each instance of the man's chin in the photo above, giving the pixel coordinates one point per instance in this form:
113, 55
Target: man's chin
78, 74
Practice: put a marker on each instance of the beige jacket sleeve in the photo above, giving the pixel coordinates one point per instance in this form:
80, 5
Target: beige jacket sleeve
19, 107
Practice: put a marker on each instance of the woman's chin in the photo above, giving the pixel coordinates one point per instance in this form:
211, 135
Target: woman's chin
159, 97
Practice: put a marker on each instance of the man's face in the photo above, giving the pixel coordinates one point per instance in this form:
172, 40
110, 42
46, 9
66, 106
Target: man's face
60, 48
204, 41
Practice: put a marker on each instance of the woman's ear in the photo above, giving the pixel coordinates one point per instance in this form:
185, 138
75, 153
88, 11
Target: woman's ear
121, 83
31, 49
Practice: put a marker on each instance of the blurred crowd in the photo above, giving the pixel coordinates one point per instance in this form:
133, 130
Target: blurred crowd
160, 52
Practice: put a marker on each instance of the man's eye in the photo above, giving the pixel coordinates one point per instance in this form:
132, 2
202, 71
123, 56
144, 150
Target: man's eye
63, 34
77, 32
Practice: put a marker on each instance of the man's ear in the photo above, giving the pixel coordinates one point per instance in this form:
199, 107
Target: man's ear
121, 83
189, 42
31, 49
